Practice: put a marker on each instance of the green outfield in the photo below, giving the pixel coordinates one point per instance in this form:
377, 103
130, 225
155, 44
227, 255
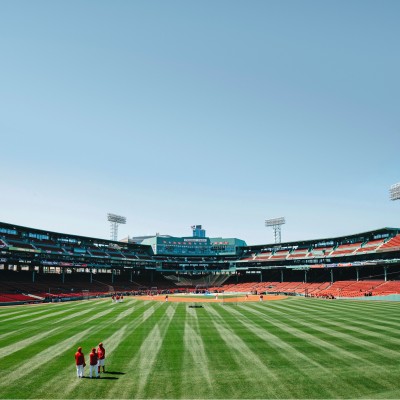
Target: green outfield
294, 348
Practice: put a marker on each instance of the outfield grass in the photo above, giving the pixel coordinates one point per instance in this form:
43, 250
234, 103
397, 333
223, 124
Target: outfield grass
294, 348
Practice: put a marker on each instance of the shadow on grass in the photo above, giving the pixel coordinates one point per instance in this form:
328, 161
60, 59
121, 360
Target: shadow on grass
100, 378
108, 377
114, 373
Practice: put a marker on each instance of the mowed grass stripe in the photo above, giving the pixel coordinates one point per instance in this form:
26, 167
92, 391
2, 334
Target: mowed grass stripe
270, 330
344, 331
388, 316
303, 368
37, 309
196, 366
37, 314
48, 335
122, 359
141, 348
49, 359
28, 366
113, 336
225, 371
376, 323
244, 355
35, 332
385, 312
294, 327
71, 387
21, 344
339, 358
289, 352
164, 380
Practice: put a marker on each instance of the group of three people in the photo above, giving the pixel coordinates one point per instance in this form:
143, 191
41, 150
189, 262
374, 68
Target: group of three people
96, 361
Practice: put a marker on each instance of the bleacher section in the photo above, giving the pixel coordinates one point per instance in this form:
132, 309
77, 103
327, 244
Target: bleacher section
345, 249
392, 244
298, 253
320, 252
370, 246
338, 289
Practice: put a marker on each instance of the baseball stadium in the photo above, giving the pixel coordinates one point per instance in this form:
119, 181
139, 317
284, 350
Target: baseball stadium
200, 317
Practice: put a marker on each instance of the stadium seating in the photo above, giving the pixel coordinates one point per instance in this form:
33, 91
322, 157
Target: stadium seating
280, 255
320, 252
370, 246
345, 249
387, 288
391, 244
298, 253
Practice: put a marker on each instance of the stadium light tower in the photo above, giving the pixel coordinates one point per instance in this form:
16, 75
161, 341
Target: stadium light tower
114, 221
276, 224
395, 192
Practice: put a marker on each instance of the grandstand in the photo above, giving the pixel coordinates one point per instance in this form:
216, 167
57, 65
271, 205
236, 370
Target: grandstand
36, 265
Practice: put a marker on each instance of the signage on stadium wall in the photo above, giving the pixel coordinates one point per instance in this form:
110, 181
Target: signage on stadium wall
45, 262
195, 240
354, 264
23, 249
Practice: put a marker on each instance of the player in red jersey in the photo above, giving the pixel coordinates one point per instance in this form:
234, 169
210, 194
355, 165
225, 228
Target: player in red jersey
101, 354
93, 363
79, 362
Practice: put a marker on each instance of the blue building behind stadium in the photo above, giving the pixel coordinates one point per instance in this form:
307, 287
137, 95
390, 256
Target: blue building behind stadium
196, 245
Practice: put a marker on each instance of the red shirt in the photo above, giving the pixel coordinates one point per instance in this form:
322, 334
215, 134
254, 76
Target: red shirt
93, 358
101, 353
79, 358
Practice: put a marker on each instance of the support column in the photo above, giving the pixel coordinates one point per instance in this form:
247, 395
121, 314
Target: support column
305, 276
63, 275
91, 276
358, 274
281, 275
33, 276
331, 276
385, 272
112, 275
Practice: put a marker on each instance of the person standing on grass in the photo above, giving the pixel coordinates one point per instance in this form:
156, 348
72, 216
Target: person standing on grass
93, 363
79, 362
101, 354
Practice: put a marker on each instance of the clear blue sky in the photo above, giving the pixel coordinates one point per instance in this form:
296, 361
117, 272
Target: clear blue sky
214, 112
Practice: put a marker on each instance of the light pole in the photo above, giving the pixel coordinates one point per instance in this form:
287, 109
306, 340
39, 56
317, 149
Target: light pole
115, 220
276, 224
395, 191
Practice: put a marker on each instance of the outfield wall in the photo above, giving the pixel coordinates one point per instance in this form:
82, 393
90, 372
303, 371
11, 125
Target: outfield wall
391, 297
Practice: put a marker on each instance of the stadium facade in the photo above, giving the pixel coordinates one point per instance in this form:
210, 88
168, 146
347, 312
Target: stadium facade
357, 256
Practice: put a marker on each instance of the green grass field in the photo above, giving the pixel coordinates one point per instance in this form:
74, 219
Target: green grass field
293, 348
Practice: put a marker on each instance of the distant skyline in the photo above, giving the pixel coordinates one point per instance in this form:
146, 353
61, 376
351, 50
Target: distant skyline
220, 113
